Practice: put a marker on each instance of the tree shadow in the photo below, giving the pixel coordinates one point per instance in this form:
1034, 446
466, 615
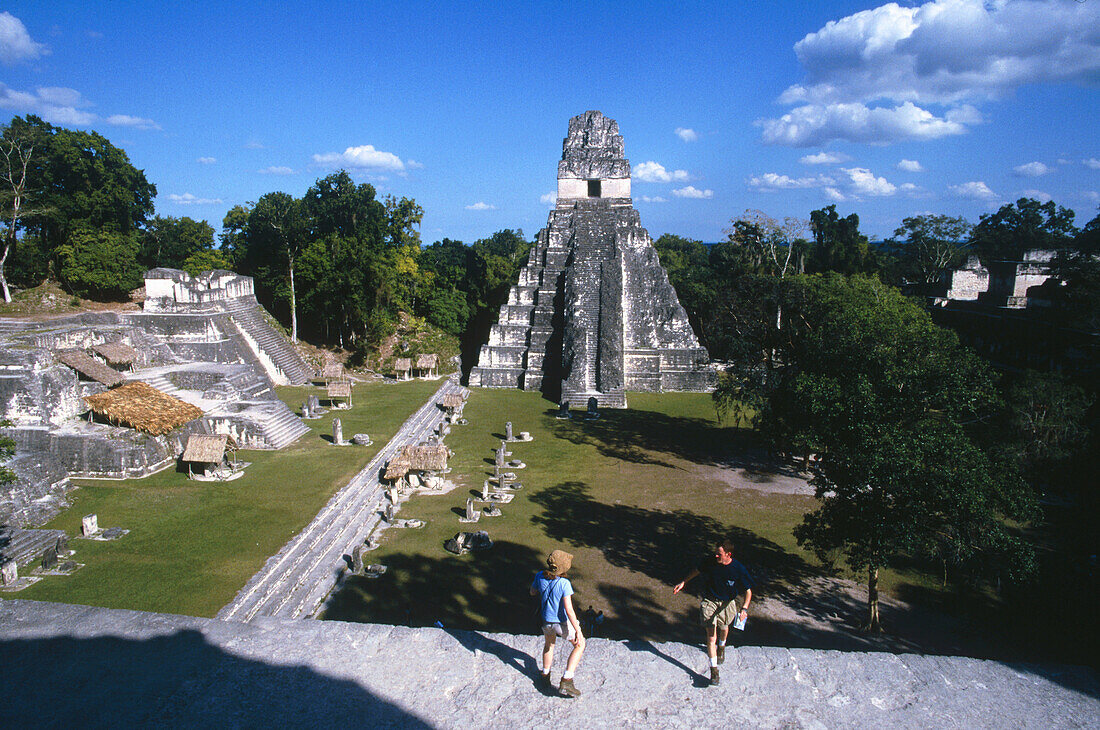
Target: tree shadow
663, 545
639, 436
175, 680
464, 592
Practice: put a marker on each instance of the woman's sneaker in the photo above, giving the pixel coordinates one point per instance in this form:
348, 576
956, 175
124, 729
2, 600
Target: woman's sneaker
567, 689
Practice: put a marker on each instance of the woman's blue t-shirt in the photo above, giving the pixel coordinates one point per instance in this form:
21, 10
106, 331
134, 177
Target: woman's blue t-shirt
551, 592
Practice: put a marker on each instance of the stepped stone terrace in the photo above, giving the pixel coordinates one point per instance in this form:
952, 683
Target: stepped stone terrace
593, 313
202, 345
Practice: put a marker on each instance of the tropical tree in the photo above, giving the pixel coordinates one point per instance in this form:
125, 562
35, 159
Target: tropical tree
17, 145
885, 398
1023, 226
933, 244
169, 241
838, 245
277, 228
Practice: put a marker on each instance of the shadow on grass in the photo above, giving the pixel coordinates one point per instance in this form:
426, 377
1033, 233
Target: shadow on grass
664, 545
487, 590
639, 437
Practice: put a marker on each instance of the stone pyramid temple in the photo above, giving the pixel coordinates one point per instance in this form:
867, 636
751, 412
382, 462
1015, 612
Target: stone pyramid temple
593, 313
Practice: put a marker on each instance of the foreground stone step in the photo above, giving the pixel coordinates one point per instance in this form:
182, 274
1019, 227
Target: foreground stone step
94, 667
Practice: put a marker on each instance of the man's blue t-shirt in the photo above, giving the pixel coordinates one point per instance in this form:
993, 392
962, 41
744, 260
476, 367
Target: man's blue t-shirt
551, 591
724, 582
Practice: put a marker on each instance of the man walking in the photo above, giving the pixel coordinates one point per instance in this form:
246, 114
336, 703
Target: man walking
558, 619
727, 591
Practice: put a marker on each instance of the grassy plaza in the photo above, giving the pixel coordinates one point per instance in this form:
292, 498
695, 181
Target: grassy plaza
192, 544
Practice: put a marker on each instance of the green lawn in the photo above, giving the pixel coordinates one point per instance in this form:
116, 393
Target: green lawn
193, 545
630, 494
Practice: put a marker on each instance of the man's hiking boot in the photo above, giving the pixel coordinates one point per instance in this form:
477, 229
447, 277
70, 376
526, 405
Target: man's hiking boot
543, 682
567, 689
721, 654
714, 676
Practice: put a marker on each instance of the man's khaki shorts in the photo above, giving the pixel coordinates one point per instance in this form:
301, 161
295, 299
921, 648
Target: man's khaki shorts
719, 613
551, 631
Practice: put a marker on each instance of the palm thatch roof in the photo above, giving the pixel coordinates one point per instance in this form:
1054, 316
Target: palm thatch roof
333, 370
116, 353
402, 364
142, 407
89, 367
452, 400
207, 448
429, 457
339, 390
424, 362
397, 467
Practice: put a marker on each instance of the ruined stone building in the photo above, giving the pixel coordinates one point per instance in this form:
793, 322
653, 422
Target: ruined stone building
204, 341
593, 313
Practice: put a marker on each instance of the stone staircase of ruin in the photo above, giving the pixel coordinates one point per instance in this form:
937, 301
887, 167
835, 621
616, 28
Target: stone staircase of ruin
25, 546
248, 317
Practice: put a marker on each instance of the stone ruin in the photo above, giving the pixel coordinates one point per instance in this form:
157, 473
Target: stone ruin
593, 313
1006, 284
204, 340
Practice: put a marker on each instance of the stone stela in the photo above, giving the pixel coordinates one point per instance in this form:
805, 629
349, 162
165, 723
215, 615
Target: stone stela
593, 313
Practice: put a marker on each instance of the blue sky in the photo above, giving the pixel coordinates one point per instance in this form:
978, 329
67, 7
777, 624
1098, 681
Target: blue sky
888, 110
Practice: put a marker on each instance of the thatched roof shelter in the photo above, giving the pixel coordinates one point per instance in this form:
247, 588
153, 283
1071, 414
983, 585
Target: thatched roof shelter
333, 371
339, 390
397, 468
427, 362
402, 365
116, 353
429, 457
89, 367
452, 400
142, 407
207, 448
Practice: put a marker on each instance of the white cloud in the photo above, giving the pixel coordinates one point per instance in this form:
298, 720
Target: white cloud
913, 191
655, 199
206, 160
771, 181
864, 182
276, 170
189, 199
687, 134
253, 145
481, 206
834, 194
1090, 195
814, 125
364, 157
1032, 169
15, 42
944, 52
125, 120
909, 166
824, 158
655, 172
56, 105
975, 190
549, 199
1039, 195
948, 51
414, 165
1092, 163
692, 192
